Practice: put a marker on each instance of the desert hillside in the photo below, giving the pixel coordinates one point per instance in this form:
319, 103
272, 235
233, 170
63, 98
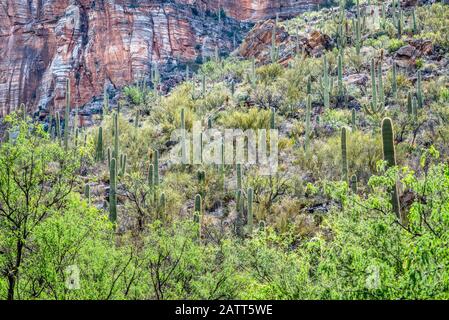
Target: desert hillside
292, 151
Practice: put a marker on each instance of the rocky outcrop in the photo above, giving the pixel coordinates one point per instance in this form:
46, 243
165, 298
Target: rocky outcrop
110, 43
258, 43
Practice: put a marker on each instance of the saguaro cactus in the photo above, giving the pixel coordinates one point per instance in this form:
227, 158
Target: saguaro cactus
99, 154
273, 119
113, 190
198, 204
162, 205
122, 165
344, 155
115, 153
87, 192
239, 176
156, 167
389, 154
151, 176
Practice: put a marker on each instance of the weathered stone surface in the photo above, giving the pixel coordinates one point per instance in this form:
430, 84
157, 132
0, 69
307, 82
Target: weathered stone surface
406, 56
258, 43
110, 42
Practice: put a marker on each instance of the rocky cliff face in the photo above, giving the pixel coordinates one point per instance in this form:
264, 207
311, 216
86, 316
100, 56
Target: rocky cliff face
110, 43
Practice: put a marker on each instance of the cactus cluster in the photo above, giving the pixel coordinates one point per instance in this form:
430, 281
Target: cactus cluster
377, 104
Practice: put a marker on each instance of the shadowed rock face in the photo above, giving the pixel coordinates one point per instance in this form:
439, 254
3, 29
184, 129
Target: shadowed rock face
98, 43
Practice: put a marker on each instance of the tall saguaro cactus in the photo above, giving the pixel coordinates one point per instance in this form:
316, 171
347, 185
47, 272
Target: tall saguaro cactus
389, 154
239, 176
156, 167
99, 154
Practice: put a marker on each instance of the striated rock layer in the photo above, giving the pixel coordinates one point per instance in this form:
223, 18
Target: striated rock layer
110, 43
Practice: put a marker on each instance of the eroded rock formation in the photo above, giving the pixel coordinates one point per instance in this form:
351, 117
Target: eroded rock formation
98, 43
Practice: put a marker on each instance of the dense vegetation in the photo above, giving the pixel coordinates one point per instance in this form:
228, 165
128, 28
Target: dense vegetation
359, 208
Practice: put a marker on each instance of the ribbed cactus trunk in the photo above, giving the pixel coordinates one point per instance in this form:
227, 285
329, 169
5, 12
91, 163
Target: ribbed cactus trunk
123, 160
67, 115
87, 192
344, 155
113, 190
156, 167
239, 176
151, 176
389, 154
99, 154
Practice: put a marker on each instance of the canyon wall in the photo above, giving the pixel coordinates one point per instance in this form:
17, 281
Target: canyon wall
110, 43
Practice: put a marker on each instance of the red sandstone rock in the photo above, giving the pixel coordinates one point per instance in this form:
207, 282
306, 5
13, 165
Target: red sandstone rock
112, 43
